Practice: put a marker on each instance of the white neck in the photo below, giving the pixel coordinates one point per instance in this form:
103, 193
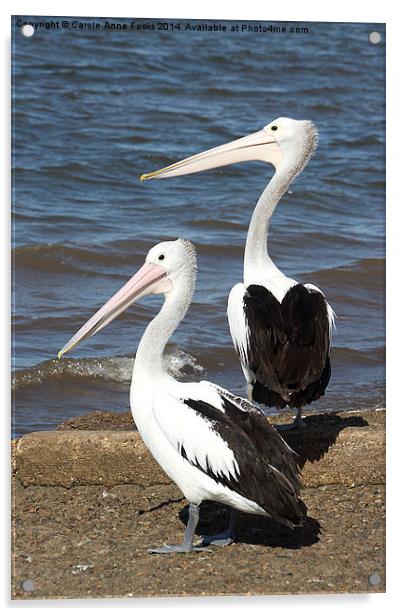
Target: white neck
149, 361
256, 258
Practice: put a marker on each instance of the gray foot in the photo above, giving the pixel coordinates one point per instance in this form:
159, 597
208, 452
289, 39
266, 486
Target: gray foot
297, 423
223, 539
220, 541
188, 543
293, 426
177, 549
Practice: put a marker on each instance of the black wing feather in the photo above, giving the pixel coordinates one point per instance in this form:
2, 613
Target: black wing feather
258, 479
266, 439
288, 345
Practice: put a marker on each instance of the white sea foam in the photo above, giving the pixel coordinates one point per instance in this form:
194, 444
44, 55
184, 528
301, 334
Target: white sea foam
115, 369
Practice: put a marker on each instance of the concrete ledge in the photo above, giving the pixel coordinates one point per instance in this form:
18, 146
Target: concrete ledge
350, 449
85, 457
91, 539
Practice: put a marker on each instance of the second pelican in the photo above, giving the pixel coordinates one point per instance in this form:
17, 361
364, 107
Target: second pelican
281, 329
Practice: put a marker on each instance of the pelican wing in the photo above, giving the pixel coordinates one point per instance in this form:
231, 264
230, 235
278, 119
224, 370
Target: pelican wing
212, 441
288, 344
266, 439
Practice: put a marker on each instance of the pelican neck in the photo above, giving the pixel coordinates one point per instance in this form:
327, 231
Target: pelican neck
256, 255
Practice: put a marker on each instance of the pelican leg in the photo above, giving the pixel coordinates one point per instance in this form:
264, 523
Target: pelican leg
225, 538
297, 423
187, 545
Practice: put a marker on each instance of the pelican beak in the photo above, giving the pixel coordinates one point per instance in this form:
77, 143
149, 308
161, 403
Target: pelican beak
257, 146
149, 279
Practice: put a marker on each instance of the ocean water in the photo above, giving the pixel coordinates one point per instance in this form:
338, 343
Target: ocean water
93, 109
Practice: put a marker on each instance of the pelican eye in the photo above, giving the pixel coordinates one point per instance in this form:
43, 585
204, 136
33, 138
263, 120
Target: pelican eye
274, 128
161, 257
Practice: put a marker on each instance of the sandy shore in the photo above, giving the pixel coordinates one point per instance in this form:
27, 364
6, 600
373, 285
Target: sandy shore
89, 500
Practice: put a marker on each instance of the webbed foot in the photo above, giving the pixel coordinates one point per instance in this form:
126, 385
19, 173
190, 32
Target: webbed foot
220, 541
293, 426
297, 423
178, 549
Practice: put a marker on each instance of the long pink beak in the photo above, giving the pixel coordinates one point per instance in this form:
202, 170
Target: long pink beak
144, 282
257, 146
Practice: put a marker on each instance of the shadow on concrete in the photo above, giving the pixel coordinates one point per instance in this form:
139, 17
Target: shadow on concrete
321, 432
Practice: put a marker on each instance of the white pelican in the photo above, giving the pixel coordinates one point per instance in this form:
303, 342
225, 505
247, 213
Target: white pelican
212, 444
281, 329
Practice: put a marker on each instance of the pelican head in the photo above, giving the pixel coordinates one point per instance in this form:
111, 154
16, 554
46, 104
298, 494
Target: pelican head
297, 139
282, 142
168, 266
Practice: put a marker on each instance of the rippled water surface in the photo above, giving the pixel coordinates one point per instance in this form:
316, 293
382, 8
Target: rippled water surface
94, 109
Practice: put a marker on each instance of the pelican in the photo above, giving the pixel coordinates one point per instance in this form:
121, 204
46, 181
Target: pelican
281, 329
212, 444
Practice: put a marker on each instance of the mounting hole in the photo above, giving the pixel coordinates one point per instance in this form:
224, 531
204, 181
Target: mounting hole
375, 38
374, 579
27, 585
28, 30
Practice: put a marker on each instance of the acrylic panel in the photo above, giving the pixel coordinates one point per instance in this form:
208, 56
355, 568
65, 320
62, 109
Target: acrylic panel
96, 103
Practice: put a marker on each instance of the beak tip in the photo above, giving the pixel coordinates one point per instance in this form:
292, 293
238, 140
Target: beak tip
144, 177
59, 354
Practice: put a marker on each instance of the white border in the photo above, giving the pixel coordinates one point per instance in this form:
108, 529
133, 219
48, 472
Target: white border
292, 10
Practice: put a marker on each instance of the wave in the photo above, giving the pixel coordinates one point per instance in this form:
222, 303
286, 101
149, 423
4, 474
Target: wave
366, 274
62, 258
110, 369
70, 259
218, 224
55, 258
374, 356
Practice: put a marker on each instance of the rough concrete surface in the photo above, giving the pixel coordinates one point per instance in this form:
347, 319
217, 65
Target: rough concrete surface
88, 502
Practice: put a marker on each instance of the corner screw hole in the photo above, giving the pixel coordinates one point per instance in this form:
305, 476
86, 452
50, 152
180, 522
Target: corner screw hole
374, 38
374, 579
28, 30
27, 585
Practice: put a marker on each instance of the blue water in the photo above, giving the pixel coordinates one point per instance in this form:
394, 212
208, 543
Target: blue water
94, 109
